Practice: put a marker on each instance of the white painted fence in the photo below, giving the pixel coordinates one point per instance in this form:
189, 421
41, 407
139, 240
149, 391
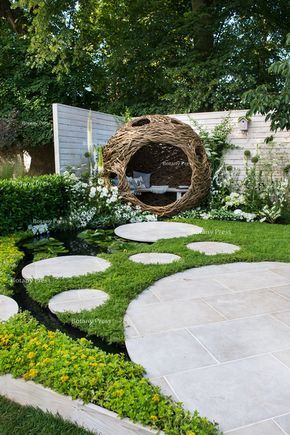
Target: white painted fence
252, 139
70, 135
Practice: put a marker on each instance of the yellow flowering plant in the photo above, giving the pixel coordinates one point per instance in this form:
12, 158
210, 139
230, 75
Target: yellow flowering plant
78, 369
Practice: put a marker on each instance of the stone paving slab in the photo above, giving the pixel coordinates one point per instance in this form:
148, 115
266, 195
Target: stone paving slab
154, 258
238, 393
169, 352
247, 303
283, 290
65, 266
213, 248
8, 308
75, 301
248, 379
268, 427
168, 288
153, 231
284, 357
284, 422
166, 316
240, 281
243, 337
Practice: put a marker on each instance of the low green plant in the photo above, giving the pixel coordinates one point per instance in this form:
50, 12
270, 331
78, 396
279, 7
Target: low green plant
45, 248
265, 192
106, 240
10, 256
11, 168
125, 280
77, 369
216, 141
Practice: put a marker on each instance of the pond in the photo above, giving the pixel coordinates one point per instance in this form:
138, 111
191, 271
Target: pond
88, 242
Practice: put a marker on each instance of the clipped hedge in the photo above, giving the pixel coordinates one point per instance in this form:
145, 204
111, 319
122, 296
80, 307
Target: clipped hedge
31, 200
75, 368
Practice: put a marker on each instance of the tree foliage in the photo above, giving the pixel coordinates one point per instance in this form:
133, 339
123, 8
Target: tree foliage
270, 102
155, 56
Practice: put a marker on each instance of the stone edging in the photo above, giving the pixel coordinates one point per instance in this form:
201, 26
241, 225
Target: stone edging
92, 417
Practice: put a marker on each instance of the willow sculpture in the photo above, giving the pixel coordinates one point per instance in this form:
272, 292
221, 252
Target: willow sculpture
168, 151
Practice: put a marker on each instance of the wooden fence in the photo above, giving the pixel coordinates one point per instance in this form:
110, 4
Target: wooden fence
70, 135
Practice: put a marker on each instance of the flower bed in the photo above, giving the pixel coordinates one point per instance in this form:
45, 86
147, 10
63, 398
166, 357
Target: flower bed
75, 368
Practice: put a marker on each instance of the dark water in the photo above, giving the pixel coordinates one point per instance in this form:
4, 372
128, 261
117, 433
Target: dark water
76, 246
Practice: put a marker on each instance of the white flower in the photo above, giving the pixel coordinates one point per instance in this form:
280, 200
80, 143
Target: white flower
92, 193
38, 229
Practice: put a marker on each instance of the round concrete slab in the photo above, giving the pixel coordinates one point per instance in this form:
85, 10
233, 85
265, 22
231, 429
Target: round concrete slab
219, 331
75, 301
154, 258
65, 267
153, 231
8, 307
213, 248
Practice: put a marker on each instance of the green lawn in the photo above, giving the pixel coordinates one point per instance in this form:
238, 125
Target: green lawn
125, 279
25, 420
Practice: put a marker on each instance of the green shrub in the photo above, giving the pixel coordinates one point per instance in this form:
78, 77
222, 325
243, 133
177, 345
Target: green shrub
31, 200
77, 369
9, 259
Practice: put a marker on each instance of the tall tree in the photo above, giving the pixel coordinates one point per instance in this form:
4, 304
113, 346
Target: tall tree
156, 56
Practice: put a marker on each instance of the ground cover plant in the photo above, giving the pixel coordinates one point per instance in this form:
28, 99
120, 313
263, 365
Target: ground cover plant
124, 280
21, 420
77, 369
10, 256
118, 384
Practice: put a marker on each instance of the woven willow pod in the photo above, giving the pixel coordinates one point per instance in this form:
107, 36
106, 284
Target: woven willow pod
142, 143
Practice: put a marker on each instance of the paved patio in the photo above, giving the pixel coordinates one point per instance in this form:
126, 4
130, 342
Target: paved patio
217, 338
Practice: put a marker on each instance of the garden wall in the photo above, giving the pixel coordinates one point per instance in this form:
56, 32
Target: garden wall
70, 135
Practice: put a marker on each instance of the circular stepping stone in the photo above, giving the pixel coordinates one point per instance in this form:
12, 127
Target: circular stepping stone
65, 267
75, 301
8, 307
154, 258
213, 248
153, 231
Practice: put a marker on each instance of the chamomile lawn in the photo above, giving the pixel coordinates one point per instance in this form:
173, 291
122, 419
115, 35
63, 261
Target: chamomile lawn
124, 280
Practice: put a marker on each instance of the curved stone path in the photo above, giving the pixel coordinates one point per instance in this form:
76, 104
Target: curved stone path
8, 307
75, 301
217, 338
65, 267
152, 231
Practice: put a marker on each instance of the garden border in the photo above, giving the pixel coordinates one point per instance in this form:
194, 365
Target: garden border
90, 416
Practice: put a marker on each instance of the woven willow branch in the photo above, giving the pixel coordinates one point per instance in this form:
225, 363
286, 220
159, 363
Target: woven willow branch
157, 130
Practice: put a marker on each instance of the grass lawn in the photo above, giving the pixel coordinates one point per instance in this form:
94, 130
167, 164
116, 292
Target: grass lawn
20, 420
124, 280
